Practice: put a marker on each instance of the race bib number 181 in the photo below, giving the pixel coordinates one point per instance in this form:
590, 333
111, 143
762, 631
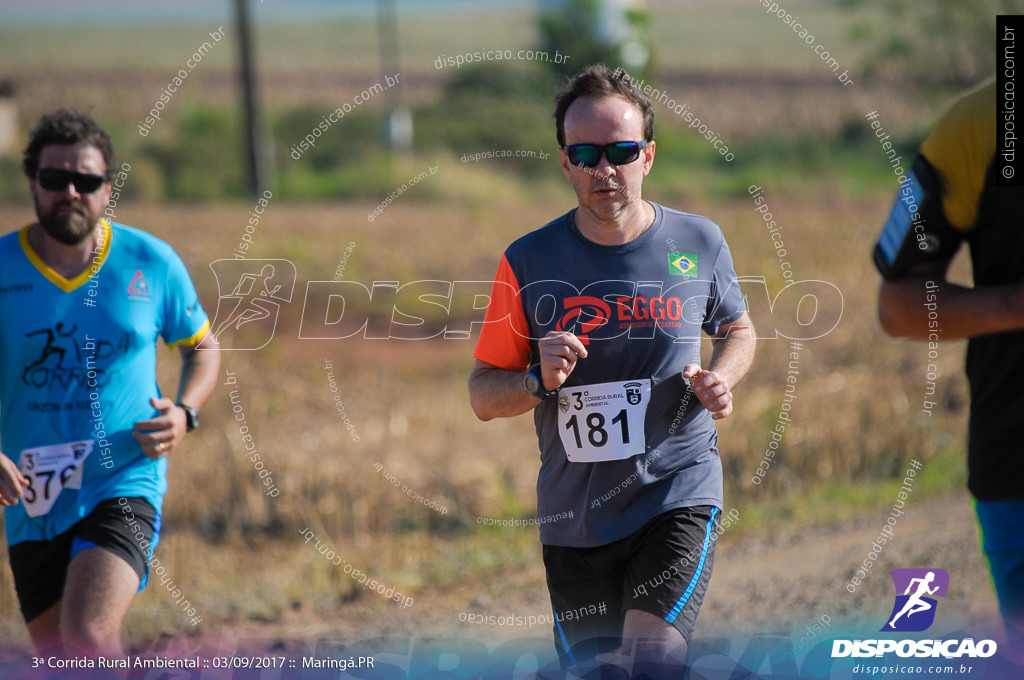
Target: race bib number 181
604, 421
49, 470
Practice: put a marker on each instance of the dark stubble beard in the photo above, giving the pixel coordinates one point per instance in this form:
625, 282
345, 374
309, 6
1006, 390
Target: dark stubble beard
70, 229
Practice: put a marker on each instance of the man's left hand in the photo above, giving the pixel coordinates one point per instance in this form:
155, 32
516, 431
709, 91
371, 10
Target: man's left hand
161, 434
711, 389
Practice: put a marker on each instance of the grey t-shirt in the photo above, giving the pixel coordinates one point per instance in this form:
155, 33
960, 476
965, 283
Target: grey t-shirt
640, 308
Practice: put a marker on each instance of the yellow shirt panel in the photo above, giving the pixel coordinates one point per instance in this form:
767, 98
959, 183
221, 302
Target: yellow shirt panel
960, 147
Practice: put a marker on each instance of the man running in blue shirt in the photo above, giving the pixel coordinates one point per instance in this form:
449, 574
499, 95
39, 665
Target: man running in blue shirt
84, 429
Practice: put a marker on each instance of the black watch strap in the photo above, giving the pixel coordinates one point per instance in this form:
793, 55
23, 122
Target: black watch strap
191, 417
534, 383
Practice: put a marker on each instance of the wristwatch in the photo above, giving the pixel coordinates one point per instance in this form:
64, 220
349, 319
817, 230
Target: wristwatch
191, 417
534, 383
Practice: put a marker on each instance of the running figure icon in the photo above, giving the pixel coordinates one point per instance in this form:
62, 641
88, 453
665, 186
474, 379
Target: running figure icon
250, 306
52, 347
915, 604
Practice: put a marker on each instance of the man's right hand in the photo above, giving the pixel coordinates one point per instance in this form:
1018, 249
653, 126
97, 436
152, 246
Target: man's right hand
559, 351
11, 482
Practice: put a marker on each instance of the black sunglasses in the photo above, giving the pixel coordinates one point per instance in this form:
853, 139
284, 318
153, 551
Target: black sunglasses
54, 179
589, 155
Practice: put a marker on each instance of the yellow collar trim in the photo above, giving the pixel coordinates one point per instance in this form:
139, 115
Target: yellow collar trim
58, 280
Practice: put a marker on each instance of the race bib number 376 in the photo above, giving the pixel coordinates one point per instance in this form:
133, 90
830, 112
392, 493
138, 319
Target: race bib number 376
49, 470
604, 421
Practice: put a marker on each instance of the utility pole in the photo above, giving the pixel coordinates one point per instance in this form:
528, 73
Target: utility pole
254, 147
399, 122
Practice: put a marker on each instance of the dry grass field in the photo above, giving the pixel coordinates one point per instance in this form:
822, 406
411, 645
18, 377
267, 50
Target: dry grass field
238, 554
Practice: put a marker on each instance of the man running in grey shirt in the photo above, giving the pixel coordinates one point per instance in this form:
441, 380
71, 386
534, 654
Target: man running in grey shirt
595, 325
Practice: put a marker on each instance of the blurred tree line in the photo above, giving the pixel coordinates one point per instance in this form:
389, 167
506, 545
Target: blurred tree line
937, 43
484, 106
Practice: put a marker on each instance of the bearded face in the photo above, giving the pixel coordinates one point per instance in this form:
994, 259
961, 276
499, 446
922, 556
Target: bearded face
67, 221
67, 214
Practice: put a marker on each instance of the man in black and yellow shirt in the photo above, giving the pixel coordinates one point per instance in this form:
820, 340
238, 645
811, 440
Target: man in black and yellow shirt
951, 197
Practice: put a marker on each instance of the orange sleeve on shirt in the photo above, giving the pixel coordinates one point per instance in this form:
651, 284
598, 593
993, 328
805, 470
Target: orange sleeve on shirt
504, 337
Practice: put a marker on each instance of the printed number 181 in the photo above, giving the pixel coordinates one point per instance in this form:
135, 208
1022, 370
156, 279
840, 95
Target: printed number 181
597, 434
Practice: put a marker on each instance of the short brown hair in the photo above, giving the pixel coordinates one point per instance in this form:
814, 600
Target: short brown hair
597, 81
65, 127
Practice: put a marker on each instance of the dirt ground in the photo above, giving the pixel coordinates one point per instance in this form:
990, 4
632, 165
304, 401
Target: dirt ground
772, 581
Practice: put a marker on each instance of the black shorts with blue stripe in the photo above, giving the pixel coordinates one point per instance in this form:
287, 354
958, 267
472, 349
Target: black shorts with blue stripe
127, 527
662, 569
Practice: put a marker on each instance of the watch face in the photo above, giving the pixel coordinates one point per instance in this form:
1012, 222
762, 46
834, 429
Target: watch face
532, 384
191, 417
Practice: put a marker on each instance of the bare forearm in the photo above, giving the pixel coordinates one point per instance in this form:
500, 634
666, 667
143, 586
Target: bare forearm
199, 373
918, 307
497, 393
733, 355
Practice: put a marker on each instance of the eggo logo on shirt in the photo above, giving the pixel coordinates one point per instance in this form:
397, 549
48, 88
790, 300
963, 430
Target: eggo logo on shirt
598, 310
656, 308
585, 314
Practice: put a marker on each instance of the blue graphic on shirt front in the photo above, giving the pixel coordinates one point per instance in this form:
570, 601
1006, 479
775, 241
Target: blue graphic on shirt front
62, 362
